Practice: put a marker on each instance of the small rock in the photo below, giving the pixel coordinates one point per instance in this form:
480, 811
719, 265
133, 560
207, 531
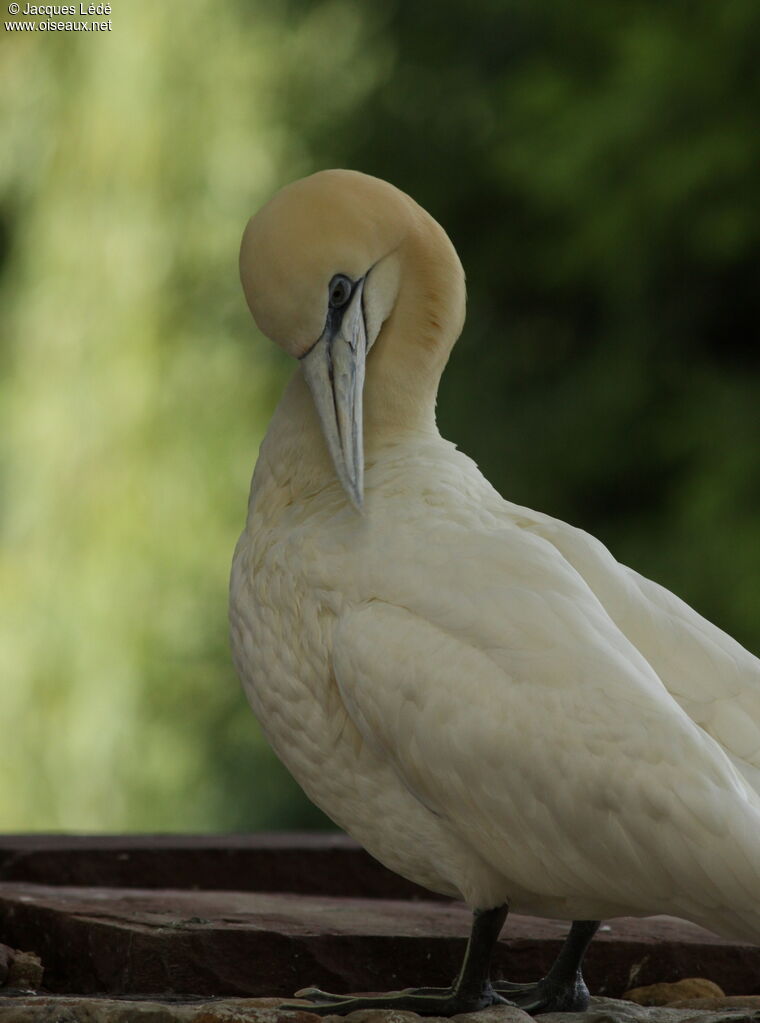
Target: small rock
726, 1002
383, 1016
7, 955
25, 972
271, 1003
495, 1014
666, 994
613, 1010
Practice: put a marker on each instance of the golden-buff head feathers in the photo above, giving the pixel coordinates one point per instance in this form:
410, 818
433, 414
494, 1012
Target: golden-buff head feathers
345, 222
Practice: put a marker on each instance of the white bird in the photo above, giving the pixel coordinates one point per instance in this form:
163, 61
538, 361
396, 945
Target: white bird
481, 695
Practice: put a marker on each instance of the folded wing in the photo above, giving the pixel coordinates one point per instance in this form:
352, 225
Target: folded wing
710, 675
511, 704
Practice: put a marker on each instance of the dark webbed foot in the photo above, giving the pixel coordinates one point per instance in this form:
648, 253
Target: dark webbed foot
563, 989
470, 991
424, 1001
546, 996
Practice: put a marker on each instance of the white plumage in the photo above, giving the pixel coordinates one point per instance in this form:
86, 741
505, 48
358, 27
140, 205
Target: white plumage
480, 694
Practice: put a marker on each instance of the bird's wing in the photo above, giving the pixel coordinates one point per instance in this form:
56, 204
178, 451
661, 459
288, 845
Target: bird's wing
487, 672
714, 679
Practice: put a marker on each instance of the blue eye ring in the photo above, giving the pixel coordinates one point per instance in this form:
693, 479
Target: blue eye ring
339, 291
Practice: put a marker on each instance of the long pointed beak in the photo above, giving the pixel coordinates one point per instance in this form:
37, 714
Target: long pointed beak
334, 371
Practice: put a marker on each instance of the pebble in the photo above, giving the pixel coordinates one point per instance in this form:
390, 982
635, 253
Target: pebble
665, 994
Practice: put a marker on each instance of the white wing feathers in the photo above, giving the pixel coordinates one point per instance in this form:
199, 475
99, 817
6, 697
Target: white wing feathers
714, 679
512, 705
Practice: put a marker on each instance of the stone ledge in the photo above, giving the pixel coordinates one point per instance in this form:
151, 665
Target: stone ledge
323, 863
265, 944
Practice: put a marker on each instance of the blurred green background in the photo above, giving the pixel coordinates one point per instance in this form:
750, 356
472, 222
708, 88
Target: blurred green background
596, 166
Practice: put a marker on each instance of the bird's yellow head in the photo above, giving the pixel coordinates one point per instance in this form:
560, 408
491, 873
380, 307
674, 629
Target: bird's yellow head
332, 266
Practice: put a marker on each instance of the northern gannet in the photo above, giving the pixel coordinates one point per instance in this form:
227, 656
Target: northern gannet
480, 694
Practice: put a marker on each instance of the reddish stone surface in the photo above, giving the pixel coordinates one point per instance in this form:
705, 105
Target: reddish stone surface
256, 943
326, 863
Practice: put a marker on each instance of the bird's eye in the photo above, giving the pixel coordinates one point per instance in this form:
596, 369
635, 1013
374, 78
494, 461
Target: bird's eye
340, 291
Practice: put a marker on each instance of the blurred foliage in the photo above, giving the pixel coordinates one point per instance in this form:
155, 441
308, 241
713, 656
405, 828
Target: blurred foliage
596, 167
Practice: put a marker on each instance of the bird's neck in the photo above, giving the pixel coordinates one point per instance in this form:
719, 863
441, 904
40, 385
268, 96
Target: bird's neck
294, 462
405, 363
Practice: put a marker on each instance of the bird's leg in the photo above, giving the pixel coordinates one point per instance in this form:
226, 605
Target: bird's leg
470, 991
563, 989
